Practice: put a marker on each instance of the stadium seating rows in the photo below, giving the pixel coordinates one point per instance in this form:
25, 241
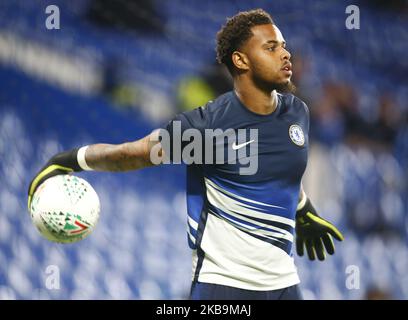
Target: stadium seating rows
141, 237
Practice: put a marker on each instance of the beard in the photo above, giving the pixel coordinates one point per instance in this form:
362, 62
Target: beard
287, 87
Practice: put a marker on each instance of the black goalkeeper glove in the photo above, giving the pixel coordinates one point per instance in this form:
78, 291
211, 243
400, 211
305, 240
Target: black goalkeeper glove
61, 163
314, 233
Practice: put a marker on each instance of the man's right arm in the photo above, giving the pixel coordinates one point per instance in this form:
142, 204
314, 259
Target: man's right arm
101, 157
122, 157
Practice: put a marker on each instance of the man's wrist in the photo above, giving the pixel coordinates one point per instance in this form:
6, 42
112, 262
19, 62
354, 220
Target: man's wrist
308, 207
302, 201
81, 159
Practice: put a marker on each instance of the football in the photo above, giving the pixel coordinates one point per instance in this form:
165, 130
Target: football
65, 208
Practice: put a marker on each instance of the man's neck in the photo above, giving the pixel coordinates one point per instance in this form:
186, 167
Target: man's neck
256, 100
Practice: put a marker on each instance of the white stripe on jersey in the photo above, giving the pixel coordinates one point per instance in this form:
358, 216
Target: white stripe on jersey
208, 181
262, 233
193, 240
233, 207
193, 224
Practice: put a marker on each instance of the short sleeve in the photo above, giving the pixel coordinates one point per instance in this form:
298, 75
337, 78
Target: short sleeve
182, 131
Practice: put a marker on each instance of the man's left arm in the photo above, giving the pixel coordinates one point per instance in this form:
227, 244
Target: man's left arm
312, 231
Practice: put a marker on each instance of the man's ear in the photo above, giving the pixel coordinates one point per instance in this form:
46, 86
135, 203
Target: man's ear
240, 60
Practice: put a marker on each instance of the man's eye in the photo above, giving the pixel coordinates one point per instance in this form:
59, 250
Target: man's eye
271, 49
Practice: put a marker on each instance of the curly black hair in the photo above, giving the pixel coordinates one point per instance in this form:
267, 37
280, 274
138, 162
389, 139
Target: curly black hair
236, 31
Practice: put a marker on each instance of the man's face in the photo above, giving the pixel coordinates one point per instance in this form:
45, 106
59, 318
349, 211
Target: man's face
268, 59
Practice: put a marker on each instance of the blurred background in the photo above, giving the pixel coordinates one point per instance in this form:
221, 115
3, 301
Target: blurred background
115, 70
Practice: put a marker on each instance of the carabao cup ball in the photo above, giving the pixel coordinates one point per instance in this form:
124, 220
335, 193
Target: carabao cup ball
65, 208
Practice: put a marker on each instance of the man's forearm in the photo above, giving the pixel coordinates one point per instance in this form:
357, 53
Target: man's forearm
123, 157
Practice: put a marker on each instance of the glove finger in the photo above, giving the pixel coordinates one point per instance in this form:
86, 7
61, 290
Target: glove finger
43, 175
328, 243
310, 249
335, 233
299, 246
327, 225
38, 180
318, 245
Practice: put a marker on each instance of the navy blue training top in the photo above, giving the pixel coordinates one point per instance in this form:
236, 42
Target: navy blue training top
241, 207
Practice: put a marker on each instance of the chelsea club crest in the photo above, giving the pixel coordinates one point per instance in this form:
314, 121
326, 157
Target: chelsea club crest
296, 135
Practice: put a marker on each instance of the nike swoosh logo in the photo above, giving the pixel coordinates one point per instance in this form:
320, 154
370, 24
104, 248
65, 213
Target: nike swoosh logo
236, 146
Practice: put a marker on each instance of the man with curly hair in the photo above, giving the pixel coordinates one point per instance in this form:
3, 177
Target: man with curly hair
241, 224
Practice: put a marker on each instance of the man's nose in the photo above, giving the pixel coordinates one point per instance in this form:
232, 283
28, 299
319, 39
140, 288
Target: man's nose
286, 54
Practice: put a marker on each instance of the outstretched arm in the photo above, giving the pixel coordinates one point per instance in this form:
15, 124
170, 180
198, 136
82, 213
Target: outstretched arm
101, 157
122, 157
